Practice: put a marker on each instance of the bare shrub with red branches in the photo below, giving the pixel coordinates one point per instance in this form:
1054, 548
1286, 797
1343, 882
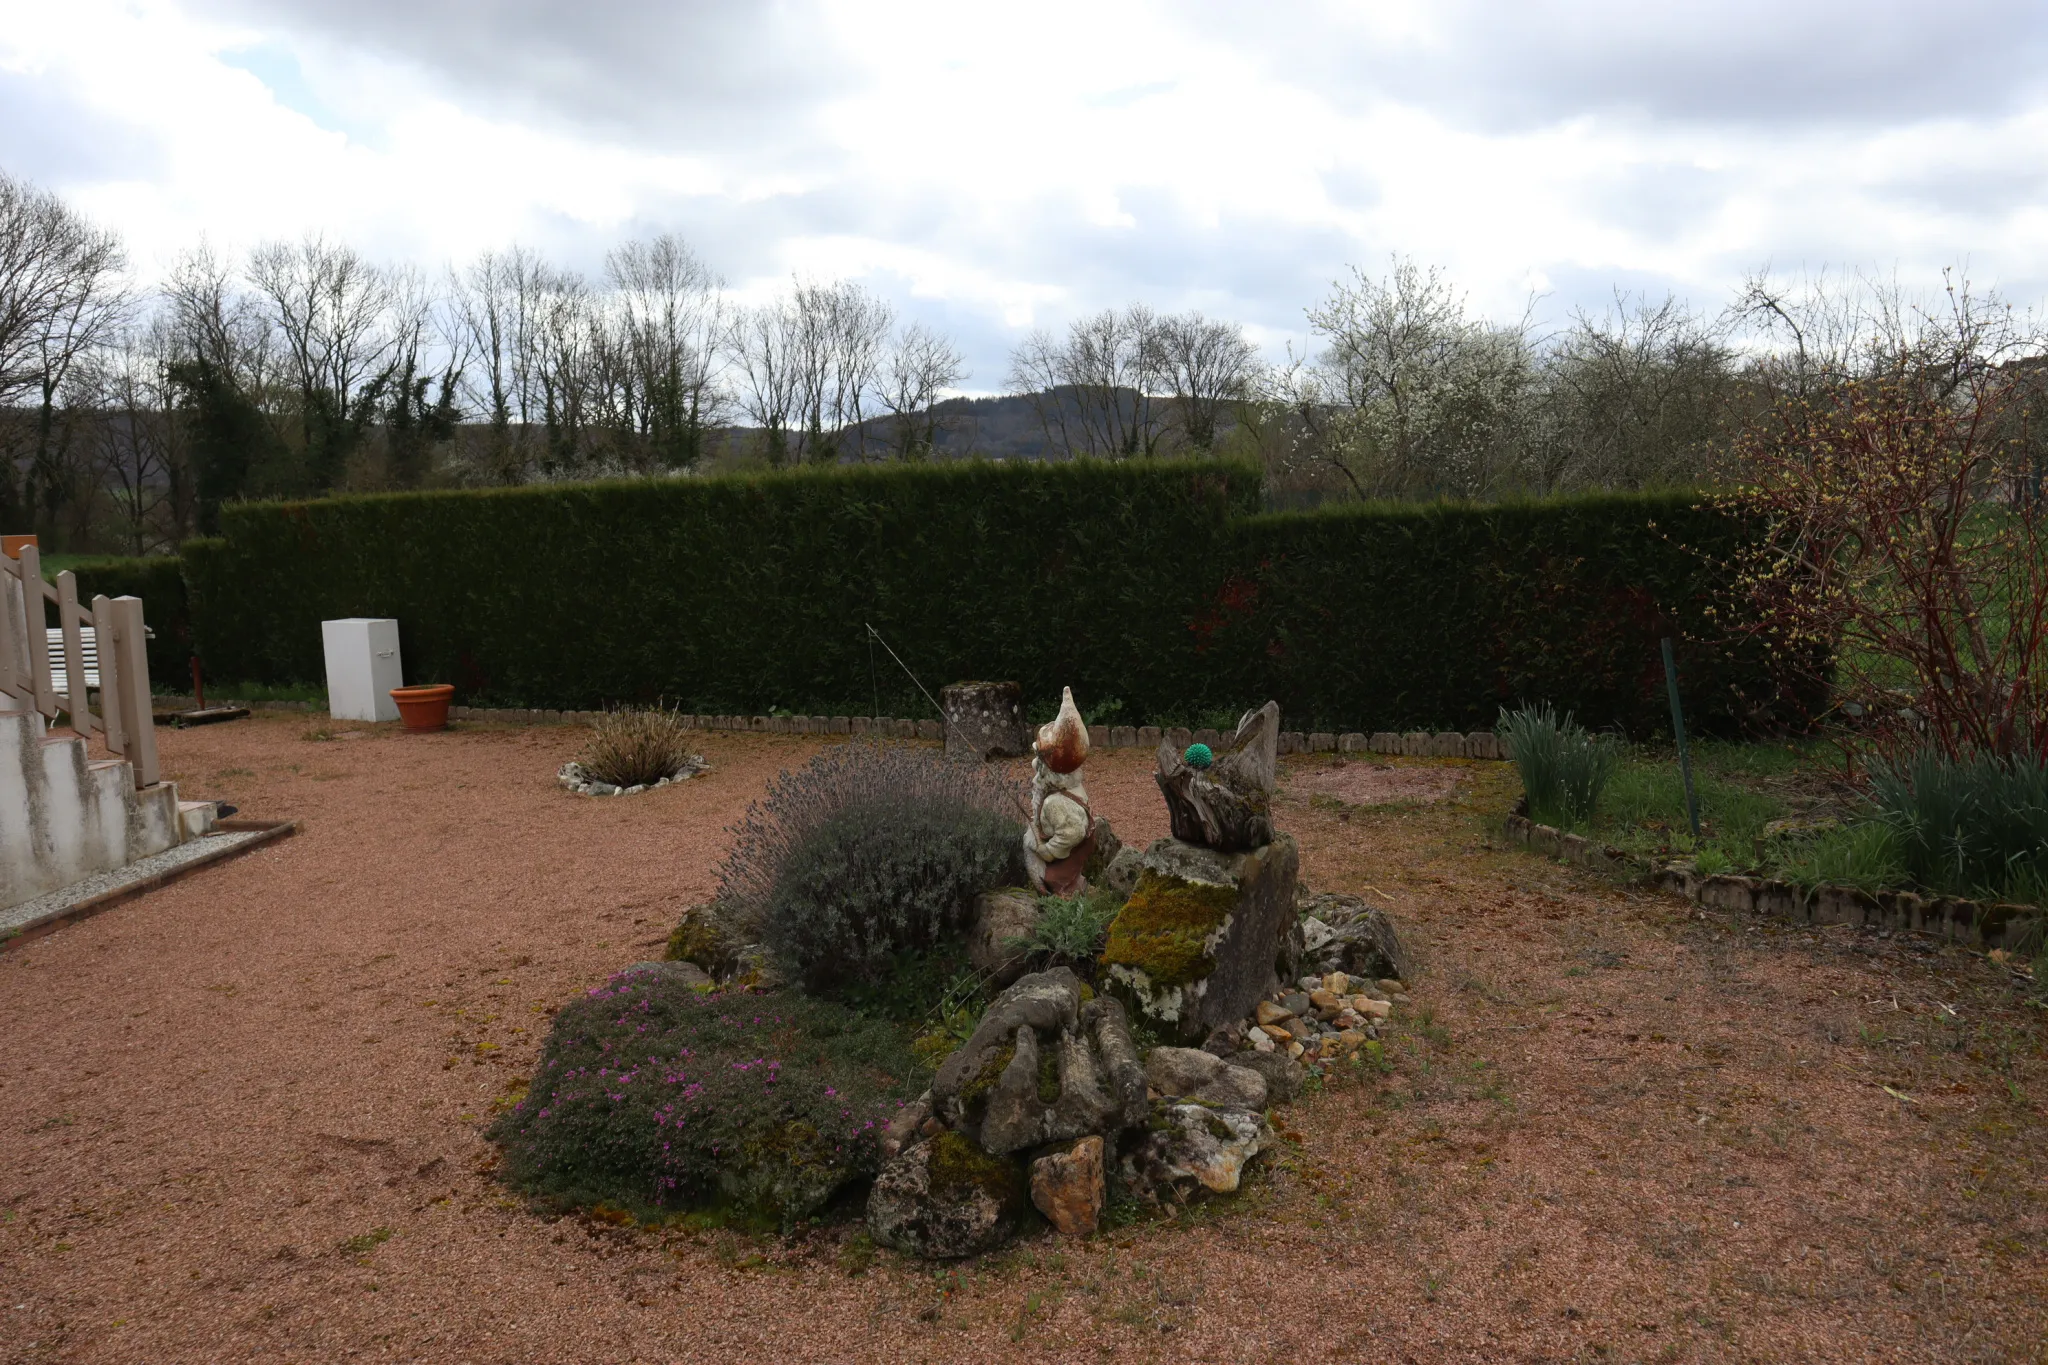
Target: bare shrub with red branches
1897, 465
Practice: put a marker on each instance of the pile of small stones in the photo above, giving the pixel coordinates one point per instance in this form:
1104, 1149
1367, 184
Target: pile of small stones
572, 777
1323, 1018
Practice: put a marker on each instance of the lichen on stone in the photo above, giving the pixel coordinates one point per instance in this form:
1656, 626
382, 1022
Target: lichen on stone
1156, 1002
1169, 928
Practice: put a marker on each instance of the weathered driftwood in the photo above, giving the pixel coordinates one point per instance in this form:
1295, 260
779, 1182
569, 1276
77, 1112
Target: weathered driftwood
1227, 806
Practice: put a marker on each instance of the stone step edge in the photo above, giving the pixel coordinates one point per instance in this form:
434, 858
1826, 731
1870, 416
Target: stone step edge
2015, 928
1477, 744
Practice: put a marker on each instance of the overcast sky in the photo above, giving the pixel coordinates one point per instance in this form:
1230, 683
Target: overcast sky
991, 168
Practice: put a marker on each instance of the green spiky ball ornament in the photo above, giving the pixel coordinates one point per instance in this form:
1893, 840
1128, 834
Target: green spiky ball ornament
1198, 756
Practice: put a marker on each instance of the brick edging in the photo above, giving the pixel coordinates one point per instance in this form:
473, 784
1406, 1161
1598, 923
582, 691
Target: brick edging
1481, 744
1978, 924
1415, 744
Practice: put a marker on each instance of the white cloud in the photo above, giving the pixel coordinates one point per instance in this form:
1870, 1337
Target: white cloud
1007, 168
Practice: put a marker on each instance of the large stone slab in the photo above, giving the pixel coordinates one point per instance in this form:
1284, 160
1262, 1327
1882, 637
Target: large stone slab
1198, 943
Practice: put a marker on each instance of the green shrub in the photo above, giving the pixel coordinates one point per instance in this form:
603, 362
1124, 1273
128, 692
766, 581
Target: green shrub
1380, 617
1975, 826
867, 852
1563, 769
1153, 587
637, 747
654, 1096
1073, 929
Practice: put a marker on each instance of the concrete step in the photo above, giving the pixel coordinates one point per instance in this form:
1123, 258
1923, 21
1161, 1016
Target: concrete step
197, 818
65, 815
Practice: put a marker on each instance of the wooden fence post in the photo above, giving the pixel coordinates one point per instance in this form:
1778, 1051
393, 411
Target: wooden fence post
12, 659
35, 627
104, 634
137, 716
77, 697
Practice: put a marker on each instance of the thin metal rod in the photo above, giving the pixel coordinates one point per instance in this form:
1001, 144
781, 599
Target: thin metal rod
1692, 800
907, 673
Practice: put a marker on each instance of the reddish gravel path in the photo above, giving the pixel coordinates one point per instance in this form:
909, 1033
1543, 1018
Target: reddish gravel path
241, 1114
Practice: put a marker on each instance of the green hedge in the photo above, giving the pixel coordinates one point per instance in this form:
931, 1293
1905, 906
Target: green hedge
1154, 589
739, 594
1400, 616
159, 582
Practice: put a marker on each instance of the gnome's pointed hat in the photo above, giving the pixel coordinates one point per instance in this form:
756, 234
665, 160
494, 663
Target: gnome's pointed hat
1063, 745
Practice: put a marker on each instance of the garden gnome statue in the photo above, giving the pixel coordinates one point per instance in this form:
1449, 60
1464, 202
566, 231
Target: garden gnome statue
1060, 836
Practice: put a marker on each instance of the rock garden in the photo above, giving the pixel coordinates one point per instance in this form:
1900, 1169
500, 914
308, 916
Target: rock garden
957, 1006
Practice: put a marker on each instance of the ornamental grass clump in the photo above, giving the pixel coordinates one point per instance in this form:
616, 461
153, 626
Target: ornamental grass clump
657, 1097
1970, 826
638, 748
867, 852
1563, 769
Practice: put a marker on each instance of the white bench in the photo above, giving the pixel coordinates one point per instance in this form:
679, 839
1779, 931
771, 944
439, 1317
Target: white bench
88, 648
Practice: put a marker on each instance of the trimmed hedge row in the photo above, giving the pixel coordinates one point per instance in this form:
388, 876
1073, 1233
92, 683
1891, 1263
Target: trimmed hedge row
1154, 589
741, 594
1441, 615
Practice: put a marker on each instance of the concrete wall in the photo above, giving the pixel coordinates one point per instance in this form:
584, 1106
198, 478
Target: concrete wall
65, 816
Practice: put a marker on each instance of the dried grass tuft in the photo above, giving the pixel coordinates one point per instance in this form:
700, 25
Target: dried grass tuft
637, 748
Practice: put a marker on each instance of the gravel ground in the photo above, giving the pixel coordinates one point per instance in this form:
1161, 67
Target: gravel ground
242, 1112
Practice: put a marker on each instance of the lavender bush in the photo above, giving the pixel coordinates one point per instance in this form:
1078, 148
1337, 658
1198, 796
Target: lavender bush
867, 852
654, 1096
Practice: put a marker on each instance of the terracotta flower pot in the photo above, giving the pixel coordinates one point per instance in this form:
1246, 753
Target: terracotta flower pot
424, 708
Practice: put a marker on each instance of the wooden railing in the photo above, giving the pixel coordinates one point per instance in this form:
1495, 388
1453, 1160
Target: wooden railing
124, 721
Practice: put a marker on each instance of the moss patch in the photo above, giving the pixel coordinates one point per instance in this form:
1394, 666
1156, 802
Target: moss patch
1165, 928
956, 1163
1049, 1075
696, 940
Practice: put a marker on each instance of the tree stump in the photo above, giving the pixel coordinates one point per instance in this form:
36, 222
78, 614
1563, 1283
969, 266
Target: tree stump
985, 720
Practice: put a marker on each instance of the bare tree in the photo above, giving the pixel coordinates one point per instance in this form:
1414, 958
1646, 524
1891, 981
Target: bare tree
1094, 391
762, 345
136, 442
838, 332
1211, 369
672, 318
808, 365
62, 293
1640, 396
486, 323
557, 358
330, 306
212, 321
920, 367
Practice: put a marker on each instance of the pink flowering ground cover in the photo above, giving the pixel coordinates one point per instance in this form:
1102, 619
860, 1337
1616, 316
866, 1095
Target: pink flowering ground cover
245, 1116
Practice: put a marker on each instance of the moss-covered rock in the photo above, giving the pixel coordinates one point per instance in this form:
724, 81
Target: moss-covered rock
1169, 927
945, 1198
700, 938
1195, 946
